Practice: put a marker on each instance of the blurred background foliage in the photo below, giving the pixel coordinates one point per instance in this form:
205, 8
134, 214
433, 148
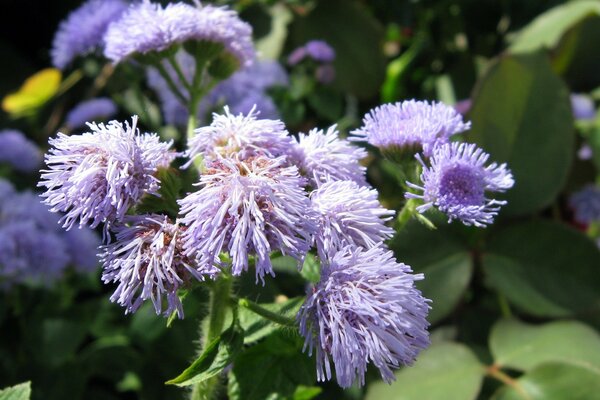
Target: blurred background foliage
516, 306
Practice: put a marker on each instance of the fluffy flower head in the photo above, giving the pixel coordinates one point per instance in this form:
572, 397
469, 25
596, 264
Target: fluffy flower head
586, 204
97, 176
457, 181
318, 50
101, 108
21, 153
365, 309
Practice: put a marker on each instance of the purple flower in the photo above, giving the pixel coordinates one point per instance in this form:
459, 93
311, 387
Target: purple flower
365, 309
463, 107
325, 73
241, 135
410, 126
582, 106
82, 244
82, 32
585, 152
349, 214
148, 262
97, 176
324, 156
18, 151
98, 109
457, 181
317, 50
248, 207
147, 27
586, 204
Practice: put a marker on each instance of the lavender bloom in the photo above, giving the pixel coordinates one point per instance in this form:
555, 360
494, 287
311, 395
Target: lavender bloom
147, 27
101, 108
97, 176
410, 126
582, 106
241, 135
81, 245
349, 214
244, 207
317, 50
22, 154
83, 30
586, 204
323, 156
463, 107
365, 309
456, 183
585, 152
147, 261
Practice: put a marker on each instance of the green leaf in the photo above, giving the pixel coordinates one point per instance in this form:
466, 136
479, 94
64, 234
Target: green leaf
521, 346
273, 369
61, 338
356, 37
35, 92
545, 268
554, 381
170, 187
444, 371
521, 115
216, 356
22, 391
306, 392
547, 29
311, 270
257, 327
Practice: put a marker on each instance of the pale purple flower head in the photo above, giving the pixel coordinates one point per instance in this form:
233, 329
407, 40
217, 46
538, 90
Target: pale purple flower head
248, 207
147, 27
18, 151
323, 156
82, 244
97, 176
463, 106
585, 152
349, 214
100, 109
456, 183
364, 309
411, 126
582, 106
241, 135
317, 50
586, 204
83, 30
148, 262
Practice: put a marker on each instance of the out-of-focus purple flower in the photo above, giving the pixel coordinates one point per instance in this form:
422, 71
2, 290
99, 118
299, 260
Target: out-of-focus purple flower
349, 214
325, 73
323, 156
410, 126
241, 135
317, 50
457, 181
296, 56
83, 30
248, 207
97, 176
463, 107
147, 27
586, 204
82, 245
582, 106
18, 151
585, 152
148, 262
99, 109
364, 309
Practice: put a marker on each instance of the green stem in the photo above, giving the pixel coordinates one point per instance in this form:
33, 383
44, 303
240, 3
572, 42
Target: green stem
172, 86
263, 312
179, 72
504, 306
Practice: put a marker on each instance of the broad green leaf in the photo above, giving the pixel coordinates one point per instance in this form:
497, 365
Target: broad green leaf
356, 37
444, 371
257, 327
547, 29
273, 369
521, 115
521, 346
216, 356
22, 391
61, 337
554, 381
306, 392
170, 188
35, 91
311, 269
545, 268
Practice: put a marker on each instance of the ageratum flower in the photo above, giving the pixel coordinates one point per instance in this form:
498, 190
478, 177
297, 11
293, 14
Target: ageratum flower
241, 135
82, 32
349, 214
98, 109
409, 127
324, 156
18, 151
582, 106
364, 309
148, 262
457, 181
317, 50
147, 27
97, 176
586, 204
248, 207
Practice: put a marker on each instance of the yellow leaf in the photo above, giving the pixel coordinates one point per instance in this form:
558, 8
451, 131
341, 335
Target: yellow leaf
35, 91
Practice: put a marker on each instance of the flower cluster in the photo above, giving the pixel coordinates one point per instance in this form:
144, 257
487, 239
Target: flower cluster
320, 53
19, 152
99, 109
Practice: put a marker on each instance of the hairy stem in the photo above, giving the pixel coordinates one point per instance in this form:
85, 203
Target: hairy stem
263, 312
